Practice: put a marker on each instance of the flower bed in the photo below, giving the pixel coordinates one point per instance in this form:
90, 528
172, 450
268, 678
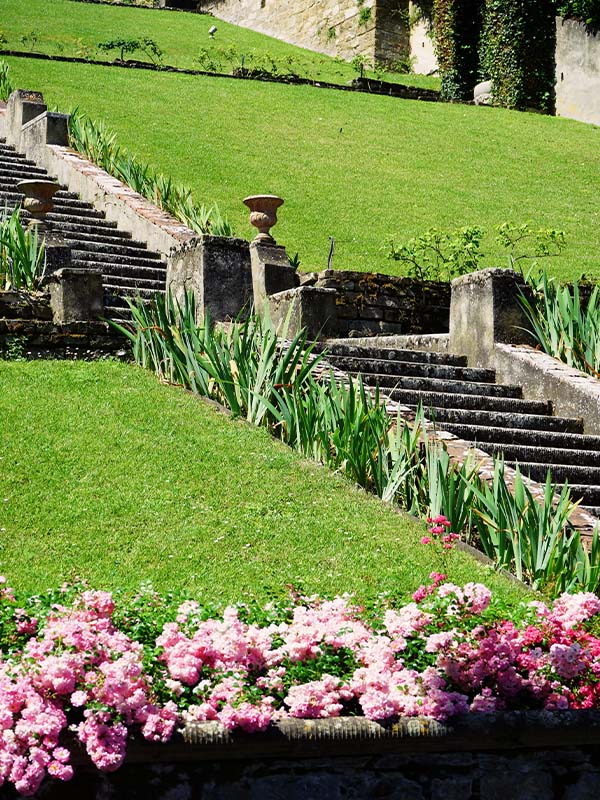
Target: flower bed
101, 668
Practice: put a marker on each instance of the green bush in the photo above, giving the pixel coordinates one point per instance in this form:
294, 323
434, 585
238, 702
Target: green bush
457, 28
22, 257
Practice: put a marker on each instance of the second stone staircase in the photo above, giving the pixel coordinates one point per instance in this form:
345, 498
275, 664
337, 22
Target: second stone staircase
468, 403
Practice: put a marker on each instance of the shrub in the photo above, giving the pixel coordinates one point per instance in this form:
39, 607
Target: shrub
22, 258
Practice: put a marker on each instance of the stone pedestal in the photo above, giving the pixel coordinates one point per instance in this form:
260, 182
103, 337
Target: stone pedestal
305, 307
216, 269
485, 309
271, 272
76, 295
57, 253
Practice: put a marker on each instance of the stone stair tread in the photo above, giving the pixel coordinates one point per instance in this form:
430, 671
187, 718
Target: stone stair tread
75, 223
581, 475
381, 367
392, 354
469, 402
545, 455
483, 435
128, 258
507, 419
442, 385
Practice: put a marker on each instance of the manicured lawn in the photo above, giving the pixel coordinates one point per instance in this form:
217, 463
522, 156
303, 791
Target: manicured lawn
110, 475
357, 167
64, 27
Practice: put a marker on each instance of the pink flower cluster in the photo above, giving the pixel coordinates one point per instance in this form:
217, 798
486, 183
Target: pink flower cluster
439, 530
449, 652
79, 659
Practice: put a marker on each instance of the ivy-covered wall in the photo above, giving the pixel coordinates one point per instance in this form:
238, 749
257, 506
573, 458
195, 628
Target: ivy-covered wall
517, 53
457, 30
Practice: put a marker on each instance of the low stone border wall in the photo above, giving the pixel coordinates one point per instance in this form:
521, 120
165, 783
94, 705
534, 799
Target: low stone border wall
518, 755
369, 303
543, 377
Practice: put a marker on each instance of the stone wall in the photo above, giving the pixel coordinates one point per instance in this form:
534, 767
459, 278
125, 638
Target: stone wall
334, 27
371, 303
577, 72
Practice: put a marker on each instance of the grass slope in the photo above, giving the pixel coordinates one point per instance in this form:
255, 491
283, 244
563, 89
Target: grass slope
357, 167
113, 476
68, 28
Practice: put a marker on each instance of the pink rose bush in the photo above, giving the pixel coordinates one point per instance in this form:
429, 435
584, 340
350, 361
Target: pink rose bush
85, 668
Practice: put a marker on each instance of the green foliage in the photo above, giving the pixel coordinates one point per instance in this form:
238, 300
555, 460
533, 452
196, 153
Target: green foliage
457, 30
146, 45
360, 63
564, 326
440, 255
364, 15
532, 538
99, 145
6, 85
22, 258
29, 39
525, 243
587, 11
518, 46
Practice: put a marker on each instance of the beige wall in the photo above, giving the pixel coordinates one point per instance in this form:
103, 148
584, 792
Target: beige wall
577, 72
326, 26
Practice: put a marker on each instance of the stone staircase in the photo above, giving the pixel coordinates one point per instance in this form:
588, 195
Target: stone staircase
128, 268
468, 403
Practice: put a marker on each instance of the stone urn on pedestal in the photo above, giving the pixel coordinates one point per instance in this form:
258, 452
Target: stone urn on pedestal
263, 215
38, 201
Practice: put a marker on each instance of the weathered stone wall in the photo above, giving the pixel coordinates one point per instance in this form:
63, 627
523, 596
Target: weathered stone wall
342, 28
577, 72
371, 303
566, 774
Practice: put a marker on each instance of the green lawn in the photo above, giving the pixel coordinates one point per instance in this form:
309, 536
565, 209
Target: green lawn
64, 27
115, 477
358, 167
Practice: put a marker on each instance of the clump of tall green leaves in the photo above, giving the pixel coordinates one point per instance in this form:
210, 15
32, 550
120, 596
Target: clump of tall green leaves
282, 385
22, 257
563, 325
6, 86
97, 143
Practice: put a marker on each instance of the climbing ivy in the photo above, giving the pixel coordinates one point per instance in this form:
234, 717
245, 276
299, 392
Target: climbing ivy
587, 11
457, 27
517, 53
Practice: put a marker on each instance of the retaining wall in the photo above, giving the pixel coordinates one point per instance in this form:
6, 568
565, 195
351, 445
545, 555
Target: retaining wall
372, 303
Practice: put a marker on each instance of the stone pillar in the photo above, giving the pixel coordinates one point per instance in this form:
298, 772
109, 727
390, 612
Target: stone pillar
305, 307
76, 295
57, 253
217, 271
22, 106
271, 272
485, 309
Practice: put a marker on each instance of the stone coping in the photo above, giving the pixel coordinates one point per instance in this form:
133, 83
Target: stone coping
572, 392
352, 736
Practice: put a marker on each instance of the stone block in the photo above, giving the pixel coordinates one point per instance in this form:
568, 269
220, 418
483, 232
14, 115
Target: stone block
485, 309
271, 272
76, 295
57, 253
22, 106
216, 269
305, 307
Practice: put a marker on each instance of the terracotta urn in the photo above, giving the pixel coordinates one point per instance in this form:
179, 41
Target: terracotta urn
38, 199
263, 215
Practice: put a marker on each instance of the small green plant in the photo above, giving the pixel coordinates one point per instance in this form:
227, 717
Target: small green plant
22, 257
129, 46
14, 349
6, 85
83, 50
440, 255
527, 244
3, 39
29, 40
364, 15
359, 63
207, 61
331, 33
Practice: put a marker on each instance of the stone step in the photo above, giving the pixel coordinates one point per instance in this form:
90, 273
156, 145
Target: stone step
543, 455
442, 385
413, 368
114, 296
117, 255
537, 438
158, 273
20, 172
133, 282
468, 402
593, 510
73, 222
507, 420
589, 495
580, 475
391, 354
62, 206
116, 237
